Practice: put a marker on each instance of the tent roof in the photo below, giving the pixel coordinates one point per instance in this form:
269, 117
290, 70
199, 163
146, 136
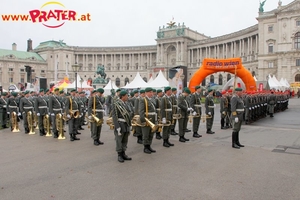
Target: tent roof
272, 83
137, 82
159, 81
110, 85
150, 80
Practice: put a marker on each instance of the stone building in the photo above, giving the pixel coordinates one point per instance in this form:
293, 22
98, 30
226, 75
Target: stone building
272, 46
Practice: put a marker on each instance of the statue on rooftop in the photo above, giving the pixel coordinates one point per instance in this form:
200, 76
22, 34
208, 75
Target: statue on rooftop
261, 6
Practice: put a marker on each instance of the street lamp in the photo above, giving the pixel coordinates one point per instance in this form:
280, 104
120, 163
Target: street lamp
75, 68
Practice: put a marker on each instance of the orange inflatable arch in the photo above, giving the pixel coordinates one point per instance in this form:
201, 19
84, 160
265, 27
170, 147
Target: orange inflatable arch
232, 65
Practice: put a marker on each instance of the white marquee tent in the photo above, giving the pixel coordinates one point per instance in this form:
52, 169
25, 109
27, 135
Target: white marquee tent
138, 82
159, 82
110, 85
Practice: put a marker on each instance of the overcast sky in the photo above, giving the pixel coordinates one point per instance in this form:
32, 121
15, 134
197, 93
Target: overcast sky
128, 22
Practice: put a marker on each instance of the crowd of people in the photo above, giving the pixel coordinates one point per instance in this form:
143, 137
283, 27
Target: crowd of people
147, 113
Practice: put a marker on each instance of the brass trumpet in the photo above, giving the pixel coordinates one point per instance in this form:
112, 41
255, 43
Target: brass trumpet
46, 121
204, 117
14, 122
137, 122
30, 123
110, 123
94, 119
72, 114
160, 125
191, 116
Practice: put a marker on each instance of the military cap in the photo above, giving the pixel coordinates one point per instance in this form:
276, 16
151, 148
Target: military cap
118, 90
123, 93
4, 94
167, 88
158, 91
47, 90
26, 92
73, 90
60, 92
14, 94
154, 90
82, 92
132, 94
31, 92
142, 91
187, 90
210, 90
41, 90
197, 87
94, 91
135, 91
101, 90
174, 89
238, 89
56, 89
148, 89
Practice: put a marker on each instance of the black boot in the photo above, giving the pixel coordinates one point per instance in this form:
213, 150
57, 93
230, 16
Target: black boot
96, 143
185, 139
55, 135
222, 123
234, 145
75, 138
173, 132
196, 135
209, 131
100, 143
120, 157
187, 130
71, 138
238, 141
26, 130
146, 150
125, 157
152, 150
158, 136
170, 144
80, 128
139, 140
77, 133
181, 139
166, 144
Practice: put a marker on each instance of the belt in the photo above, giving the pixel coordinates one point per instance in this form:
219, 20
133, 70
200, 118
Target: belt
75, 110
56, 109
211, 106
43, 107
152, 113
28, 107
158, 109
121, 120
175, 106
198, 105
101, 110
168, 109
13, 106
4, 106
239, 110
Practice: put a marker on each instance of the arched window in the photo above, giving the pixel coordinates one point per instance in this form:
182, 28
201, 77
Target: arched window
297, 40
126, 80
118, 82
228, 77
212, 79
220, 79
203, 82
145, 79
297, 78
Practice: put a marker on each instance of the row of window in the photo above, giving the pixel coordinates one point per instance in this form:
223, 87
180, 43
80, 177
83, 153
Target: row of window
270, 28
23, 70
296, 43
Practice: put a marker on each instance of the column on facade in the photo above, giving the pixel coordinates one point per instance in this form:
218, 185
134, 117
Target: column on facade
162, 53
181, 53
251, 45
248, 48
105, 60
192, 57
177, 51
150, 62
200, 59
197, 56
158, 54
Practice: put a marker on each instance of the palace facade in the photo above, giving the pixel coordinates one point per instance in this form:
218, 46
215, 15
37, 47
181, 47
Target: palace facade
272, 46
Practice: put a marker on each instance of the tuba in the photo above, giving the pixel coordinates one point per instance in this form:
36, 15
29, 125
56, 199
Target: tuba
14, 122
30, 122
59, 126
110, 123
46, 123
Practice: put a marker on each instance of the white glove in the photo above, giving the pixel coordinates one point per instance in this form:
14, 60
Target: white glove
80, 115
119, 131
190, 109
19, 114
224, 113
52, 114
8, 113
249, 108
38, 114
164, 121
90, 117
194, 113
209, 113
69, 116
236, 120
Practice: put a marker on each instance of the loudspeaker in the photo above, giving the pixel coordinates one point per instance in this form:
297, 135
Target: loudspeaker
43, 83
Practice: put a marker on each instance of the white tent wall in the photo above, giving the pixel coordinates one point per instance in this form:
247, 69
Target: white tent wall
159, 82
138, 82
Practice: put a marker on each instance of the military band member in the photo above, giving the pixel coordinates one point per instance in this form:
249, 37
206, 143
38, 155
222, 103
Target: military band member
271, 103
138, 129
166, 116
12, 106
122, 116
41, 109
84, 109
3, 110
209, 110
72, 106
185, 108
196, 105
55, 107
174, 110
237, 111
109, 101
224, 111
134, 95
156, 101
96, 107
26, 105
147, 110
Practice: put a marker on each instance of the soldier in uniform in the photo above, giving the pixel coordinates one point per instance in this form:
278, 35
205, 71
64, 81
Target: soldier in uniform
237, 111
147, 110
72, 105
271, 104
195, 103
3, 110
185, 108
55, 107
138, 129
12, 106
166, 116
134, 95
224, 110
109, 101
174, 110
25, 106
96, 107
122, 116
209, 110
41, 109
156, 101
